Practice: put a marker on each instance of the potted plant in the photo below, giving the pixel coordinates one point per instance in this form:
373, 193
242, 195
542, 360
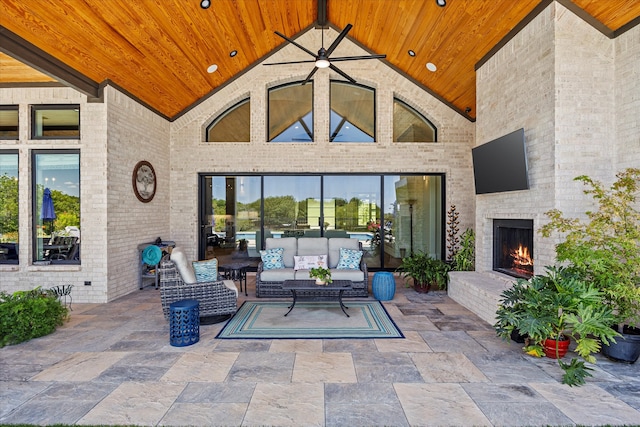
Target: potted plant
604, 248
321, 274
425, 272
553, 309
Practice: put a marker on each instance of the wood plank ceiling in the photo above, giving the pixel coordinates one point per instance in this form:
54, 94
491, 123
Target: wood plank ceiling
159, 51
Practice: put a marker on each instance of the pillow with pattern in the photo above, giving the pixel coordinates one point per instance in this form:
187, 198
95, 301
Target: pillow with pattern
206, 271
307, 262
272, 258
349, 259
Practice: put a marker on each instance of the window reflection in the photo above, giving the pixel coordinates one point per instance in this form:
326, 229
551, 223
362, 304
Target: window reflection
234, 125
56, 199
9, 237
55, 121
352, 113
409, 125
291, 113
8, 122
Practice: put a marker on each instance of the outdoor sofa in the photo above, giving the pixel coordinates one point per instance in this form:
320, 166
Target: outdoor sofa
269, 280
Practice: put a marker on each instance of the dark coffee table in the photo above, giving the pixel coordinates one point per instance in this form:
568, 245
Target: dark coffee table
309, 288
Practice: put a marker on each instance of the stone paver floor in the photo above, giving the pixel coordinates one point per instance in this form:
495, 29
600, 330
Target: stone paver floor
112, 364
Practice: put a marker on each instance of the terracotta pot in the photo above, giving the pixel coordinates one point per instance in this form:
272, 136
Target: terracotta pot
421, 288
550, 347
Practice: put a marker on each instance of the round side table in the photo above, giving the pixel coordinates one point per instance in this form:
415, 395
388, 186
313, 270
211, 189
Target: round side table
184, 323
383, 285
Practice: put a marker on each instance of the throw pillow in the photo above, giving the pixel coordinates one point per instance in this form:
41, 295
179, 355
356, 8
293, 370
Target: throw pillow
272, 258
206, 271
307, 262
349, 259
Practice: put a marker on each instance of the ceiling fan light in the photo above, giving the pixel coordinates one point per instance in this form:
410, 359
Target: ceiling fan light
322, 63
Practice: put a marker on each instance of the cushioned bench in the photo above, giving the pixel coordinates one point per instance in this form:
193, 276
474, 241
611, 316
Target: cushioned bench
270, 276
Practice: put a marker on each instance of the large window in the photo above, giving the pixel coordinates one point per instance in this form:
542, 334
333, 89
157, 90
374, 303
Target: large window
55, 121
391, 215
234, 125
56, 206
352, 113
409, 125
9, 207
291, 113
8, 122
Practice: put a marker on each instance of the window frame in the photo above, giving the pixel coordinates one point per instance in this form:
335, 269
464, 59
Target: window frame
375, 115
312, 111
16, 153
224, 114
417, 113
39, 107
34, 205
15, 108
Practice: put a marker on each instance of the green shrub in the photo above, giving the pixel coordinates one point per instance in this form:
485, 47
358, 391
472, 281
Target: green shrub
29, 314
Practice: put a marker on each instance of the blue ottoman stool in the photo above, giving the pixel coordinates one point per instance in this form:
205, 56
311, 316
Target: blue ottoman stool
184, 323
383, 286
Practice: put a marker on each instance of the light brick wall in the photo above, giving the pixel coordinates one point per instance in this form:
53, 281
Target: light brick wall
190, 155
556, 80
627, 117
135, 134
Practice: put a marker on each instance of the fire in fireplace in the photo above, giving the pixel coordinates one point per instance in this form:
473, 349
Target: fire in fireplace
513, 247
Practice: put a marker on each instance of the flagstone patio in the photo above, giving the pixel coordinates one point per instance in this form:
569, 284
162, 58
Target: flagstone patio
113, 364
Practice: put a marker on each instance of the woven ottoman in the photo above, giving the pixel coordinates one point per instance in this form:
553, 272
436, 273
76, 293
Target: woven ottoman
184, 323
383, 286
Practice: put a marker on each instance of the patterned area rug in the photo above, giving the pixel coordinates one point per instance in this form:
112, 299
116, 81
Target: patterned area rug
265, 320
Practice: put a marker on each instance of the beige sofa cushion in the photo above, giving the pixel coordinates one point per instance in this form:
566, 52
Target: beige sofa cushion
183, 265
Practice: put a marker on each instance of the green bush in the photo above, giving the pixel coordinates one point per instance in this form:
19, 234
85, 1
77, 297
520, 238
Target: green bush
29, 314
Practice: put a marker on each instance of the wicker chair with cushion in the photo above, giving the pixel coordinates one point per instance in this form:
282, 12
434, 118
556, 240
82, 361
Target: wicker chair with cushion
218, 299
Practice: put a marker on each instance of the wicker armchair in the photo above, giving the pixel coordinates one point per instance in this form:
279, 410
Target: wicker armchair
215, 298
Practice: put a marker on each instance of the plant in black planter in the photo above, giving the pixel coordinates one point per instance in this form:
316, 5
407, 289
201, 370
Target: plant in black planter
604, 248
552, 309
425, 272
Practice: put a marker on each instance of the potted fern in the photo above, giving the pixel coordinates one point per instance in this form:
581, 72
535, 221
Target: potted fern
424, 272
604, 248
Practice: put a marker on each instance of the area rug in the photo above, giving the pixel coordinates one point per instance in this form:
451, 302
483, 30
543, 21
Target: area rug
320, 320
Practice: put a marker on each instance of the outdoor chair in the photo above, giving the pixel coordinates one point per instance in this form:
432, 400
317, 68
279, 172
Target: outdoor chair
218, 299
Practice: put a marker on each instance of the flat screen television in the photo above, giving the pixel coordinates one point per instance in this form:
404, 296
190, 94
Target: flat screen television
501, 165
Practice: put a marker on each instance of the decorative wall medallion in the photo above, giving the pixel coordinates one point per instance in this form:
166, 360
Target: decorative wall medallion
144, 181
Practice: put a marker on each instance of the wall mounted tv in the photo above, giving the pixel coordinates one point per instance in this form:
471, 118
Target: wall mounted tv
501, 165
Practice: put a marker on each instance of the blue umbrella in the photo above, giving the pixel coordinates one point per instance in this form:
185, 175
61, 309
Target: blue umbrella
47, 213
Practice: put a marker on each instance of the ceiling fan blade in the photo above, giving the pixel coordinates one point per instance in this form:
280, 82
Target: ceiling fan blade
342, 35
310, 75
354, 58
342, 73
295, 44
292, 62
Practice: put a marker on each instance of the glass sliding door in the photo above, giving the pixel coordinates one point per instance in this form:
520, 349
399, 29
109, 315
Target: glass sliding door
352, 209
413, 217
292, 206
392, 216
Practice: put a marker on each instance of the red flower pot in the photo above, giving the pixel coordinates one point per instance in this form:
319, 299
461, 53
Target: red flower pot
562, 347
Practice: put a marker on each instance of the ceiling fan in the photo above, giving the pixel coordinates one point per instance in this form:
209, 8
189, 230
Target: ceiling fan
322, 58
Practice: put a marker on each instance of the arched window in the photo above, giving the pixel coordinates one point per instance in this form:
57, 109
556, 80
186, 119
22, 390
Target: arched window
234, 125
291, 113
411, 126
352, 113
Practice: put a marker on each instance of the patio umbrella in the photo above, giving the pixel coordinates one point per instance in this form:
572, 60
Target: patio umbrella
47, 213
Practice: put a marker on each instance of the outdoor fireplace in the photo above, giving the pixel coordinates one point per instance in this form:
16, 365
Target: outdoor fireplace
513, 247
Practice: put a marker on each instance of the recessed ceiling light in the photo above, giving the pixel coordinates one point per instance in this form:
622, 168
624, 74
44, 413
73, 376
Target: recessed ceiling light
212, 68
205, 4
233, 53
441, 3
411, 53
431, 67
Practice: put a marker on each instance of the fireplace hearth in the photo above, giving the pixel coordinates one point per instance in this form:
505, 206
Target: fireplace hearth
513, 247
